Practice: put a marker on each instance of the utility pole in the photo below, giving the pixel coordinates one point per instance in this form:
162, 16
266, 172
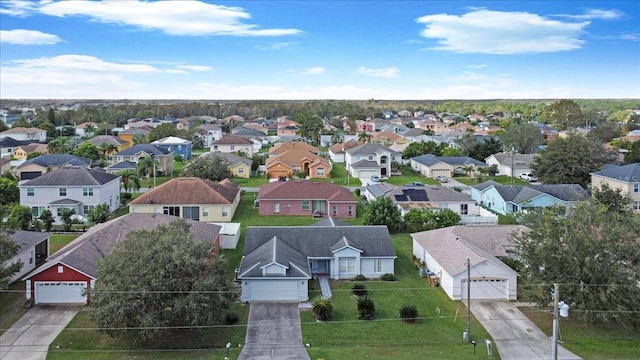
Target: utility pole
554, 338
468, 330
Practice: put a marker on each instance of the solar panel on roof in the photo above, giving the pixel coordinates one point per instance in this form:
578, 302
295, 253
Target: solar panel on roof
401, 198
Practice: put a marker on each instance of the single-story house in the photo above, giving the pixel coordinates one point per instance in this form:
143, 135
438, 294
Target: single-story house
191, 198
232, 143
5, 165
279, 261
445, 253
34, 249
304, 197
238, 166
431, 166
287, 163
65, 277
22, 152
512, 165
102, 140
505, 199
337, 151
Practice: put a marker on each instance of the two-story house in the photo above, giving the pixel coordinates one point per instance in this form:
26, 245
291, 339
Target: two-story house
624, 178
176, 145
209, 133
129, 157
73, 187
25, 134
366, 160
231, 144
22, 152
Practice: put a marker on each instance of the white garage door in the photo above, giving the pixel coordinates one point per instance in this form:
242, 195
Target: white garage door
486, 289
364, 173
60, 292
274, 290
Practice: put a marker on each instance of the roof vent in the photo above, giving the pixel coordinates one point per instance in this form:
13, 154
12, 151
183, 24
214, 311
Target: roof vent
150, 201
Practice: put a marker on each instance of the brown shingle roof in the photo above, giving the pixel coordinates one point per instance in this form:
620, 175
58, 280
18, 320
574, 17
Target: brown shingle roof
292, 145
341, 147
387, 135
293, 158
233, 140
191, 190
304, 190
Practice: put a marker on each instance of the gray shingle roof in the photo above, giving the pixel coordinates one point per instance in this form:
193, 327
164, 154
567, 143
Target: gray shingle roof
627, 173
329, 221
230, 157
426, 193
57, 160
72, 176
309, 241
365, 164
123, 165
371, 148
429, 159
522, 193
148, 148
27, 239
506, 159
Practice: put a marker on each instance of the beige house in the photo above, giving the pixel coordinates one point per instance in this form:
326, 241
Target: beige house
431, 166
22, 152
625, 178
191, 198
25, 134
238, 166
231, 144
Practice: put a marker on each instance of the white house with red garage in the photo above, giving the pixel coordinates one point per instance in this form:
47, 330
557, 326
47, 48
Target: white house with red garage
65, 276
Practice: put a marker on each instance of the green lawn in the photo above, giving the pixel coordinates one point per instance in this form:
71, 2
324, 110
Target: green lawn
11, 305
58, 241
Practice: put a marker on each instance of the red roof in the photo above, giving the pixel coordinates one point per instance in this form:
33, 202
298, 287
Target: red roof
304, 190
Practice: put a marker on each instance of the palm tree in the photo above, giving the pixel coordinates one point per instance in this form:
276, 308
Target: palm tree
130, 180
106, 150
364, 137
55, 146
146, 166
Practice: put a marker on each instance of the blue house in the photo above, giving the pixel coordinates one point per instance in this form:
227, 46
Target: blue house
506, 199
176, 145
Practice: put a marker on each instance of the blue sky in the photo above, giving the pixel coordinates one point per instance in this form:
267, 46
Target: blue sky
319, 49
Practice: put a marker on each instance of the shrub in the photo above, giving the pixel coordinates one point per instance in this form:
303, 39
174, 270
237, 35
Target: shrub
322, 308
409, 313
358, 192
231, 318
388, 277
126, 196
360, 277
359, 289
366, 308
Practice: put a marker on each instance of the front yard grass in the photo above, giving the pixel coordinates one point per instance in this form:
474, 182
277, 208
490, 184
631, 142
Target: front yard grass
58, 241
11, 305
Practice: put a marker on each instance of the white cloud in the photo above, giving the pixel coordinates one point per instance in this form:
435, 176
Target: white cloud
194, 67
389, 72
314, 71
496, 32
17, 8
599, 14
188, 18
27, 37
477, 66
275, 46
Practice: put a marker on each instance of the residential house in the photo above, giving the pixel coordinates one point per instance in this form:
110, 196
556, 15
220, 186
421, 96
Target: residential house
337, 151
431, 166
287, 127
512, 165
8, 146
304, 197
176, 145
191, 198
632, 136
232, 143
255, 126
446, 252
292, 145
67, 276
279, 261
290, 162
87, 128
102, 140
43, 164
5, 165
625, 178
209, 133
163, 157
238, 166
259, 140
33, 249
25, 134
547, 131
386, 138
131, 135
70, 187
506, 199
366, 160
22, 152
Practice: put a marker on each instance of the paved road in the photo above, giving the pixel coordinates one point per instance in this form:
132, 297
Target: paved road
273, 332
515, 336
29, 338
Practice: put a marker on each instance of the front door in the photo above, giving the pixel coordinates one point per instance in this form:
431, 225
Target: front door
320, 206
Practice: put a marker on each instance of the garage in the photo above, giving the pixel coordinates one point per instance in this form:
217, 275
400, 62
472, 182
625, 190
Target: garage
272, 290
440, 172
60, 292
367, 173
486, 289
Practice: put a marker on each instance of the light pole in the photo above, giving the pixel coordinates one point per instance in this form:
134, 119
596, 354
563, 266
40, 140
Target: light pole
228, 346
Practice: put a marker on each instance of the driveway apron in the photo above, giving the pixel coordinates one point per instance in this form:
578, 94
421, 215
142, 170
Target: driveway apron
273, 332
29, 338
516, 337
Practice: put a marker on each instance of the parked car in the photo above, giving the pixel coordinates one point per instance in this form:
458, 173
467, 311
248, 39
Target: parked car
528, 177
442, 178
375, 178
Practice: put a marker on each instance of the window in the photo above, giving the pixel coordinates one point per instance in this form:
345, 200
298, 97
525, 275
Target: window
232, 147
240, 170
171, 210
191, 212
636, 187
61, 209
205, 212
87, 191
320, 171
636, 205
30, 191
377, 265
306, 205
464, 209
370, 157
225, 211
86, 209
383, 160
334, 210
347, 265
36, 211
276, 208
62, 191
350, 210
215, 147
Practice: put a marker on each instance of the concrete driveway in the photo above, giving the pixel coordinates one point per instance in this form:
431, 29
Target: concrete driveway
29, 338
273, 332
515, 336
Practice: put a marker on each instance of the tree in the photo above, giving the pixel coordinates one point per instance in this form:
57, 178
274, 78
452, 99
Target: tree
3, 126
8, 249
99, 214
633, 156
20, 217
322, 308
163, 131
309, 126
47, 219
422, 148
51, 116
66, 217
88, 150
130, 180
383, 211
592, 252
212, 167
565, 114
364, 137
9, 191
570, 161
523, 138
144, 286
605, 132
483, 149
146, 166
613, 199
49, 127
106, 149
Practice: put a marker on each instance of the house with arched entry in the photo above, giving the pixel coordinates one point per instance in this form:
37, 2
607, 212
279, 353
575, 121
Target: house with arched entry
367, 160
